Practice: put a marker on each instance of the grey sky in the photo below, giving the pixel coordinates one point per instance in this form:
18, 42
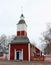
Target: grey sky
37, 14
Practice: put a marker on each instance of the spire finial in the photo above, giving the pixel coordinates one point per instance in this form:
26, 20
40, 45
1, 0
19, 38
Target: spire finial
22, 9
22, 16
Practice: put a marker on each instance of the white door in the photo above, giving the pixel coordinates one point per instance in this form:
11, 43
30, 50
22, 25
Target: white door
20, 55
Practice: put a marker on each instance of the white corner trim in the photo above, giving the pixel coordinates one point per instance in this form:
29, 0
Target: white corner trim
29, 51
9, 53
22, 54
14, 54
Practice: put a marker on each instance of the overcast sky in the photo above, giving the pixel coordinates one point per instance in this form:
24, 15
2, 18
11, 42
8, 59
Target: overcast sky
37, 14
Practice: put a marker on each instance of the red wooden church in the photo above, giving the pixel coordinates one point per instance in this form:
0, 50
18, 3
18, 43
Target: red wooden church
20, 47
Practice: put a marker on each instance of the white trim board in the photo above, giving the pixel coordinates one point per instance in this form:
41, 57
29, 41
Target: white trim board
29, 51
9, 52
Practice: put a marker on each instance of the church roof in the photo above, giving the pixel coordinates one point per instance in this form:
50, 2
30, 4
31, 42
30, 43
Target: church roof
22, 21
20, 39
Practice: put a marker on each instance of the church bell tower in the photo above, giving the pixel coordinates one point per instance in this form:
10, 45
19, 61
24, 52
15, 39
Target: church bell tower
22, 27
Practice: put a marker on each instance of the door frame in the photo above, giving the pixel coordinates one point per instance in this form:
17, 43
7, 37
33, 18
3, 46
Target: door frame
15, 54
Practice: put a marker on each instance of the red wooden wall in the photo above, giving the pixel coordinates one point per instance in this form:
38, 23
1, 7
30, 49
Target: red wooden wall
19, 47
21, 33
35, 56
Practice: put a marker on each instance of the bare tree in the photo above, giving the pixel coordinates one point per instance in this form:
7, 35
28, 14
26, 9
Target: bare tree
47, 40
9, 39
3, 40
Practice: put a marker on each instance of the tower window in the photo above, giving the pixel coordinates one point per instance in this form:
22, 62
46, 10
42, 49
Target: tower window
18, 33
22, 32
